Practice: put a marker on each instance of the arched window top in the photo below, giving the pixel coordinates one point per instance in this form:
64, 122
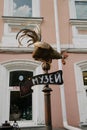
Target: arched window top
21, 65
82, 65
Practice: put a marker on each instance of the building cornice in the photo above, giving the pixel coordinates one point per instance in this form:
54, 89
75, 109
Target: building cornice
16, 50
30, 49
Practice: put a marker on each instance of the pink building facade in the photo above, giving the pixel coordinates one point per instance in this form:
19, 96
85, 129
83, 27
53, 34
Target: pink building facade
64, 26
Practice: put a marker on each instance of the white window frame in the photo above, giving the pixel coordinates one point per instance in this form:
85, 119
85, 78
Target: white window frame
79, 67
79, 40
37, 95
8, 8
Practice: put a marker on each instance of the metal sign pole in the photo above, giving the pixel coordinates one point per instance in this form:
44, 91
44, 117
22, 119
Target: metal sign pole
47, 101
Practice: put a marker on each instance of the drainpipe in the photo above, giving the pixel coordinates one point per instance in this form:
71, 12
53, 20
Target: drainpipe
65, 123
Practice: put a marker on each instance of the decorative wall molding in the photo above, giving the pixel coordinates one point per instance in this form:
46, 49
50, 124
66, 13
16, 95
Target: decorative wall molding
12, 25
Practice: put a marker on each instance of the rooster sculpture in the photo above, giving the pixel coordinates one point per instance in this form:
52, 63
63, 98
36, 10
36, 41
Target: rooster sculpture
42, 51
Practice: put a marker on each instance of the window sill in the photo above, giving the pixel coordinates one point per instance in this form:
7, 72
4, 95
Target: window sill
78, 21
28, 124
34, 127
29, 20
80, 24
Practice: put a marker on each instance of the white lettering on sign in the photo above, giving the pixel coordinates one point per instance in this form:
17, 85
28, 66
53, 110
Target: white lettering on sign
35, 81
57, 78
51, 78
45, 79
41, 79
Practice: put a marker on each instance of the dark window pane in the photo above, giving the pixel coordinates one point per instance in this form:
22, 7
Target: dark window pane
85, 77
20, 108
16, 76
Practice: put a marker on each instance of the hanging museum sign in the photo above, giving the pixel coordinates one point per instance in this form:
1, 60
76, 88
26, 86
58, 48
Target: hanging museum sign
50, 78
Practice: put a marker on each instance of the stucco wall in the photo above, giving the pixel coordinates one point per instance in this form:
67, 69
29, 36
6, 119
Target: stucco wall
48, 26
70, 87
64, 25
9, 57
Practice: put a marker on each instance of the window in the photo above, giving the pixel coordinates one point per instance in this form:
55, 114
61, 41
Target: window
78, 9
20, 107
78, 20
85, 77
11, 94
81, 9
21, 8
81, 89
